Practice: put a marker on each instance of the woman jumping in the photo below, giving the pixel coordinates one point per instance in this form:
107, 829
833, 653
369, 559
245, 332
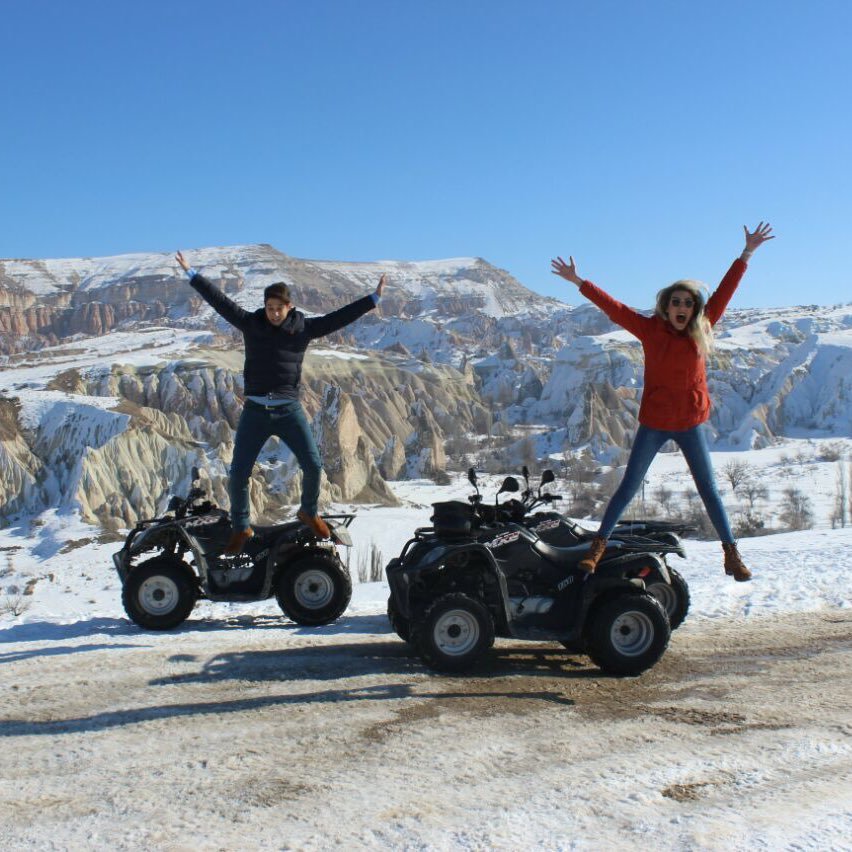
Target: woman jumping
675, 401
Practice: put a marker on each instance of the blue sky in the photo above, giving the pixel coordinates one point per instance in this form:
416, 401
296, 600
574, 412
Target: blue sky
637, 136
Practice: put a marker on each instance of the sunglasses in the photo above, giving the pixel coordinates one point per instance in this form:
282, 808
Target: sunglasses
676, 302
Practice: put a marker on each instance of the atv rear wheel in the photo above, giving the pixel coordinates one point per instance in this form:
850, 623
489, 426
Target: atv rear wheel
400, 625
159, 593
314, 590
455, 631
628, 634
674, 597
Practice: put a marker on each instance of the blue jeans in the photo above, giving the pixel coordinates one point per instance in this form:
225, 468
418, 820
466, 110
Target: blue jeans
257, 424
646, 445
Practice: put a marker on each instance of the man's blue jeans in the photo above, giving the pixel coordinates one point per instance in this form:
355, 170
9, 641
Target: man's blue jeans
646, 445
257, 424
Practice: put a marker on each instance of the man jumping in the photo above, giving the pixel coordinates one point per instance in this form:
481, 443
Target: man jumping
275, 337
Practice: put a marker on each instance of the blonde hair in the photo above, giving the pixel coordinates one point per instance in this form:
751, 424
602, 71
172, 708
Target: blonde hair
699, 328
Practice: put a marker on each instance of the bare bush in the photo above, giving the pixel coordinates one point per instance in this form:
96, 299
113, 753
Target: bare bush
663, 496
13, 602
796, 510
441, 477
802, 457
748, 523
831, 452
371, 565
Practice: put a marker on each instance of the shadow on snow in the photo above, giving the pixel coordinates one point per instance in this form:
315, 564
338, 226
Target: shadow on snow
50, 631
300, 666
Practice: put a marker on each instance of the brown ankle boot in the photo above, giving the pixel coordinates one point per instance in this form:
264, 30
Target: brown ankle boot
314, 523
734, 564
237, 541
596, 550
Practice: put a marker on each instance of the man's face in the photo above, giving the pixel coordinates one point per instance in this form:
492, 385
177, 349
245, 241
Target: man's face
276, 310
680, 310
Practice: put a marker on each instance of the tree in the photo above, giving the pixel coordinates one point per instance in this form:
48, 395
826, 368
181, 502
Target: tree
526, 451
751, 491
796, 510
841, 498
736, 472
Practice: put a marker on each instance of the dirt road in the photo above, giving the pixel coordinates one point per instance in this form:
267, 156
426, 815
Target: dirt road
246, 735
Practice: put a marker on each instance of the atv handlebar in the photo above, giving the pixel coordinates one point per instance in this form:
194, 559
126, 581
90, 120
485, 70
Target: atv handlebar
181, 505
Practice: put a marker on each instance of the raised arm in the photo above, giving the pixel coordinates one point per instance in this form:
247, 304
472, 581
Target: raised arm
630, 320
717, 303
321, 326
225, 307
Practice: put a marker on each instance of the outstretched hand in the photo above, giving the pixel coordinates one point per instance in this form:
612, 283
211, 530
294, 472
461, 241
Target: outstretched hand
182, 261
380, 286
758, 236
568, 271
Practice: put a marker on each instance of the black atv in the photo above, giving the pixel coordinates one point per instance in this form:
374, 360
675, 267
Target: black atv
662, 537
480, 572
168, 563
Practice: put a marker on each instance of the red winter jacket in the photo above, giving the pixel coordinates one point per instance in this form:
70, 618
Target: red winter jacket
675, 397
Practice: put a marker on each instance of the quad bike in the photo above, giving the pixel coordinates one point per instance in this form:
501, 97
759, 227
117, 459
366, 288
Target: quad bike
480, 572
170, 562
661, 537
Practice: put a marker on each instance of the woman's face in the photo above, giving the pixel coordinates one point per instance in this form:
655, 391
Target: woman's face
680, 309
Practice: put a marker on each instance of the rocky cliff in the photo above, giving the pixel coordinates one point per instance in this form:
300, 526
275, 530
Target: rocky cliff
116, 440
117, 379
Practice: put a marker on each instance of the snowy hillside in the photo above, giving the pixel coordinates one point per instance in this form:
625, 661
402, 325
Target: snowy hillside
118, 379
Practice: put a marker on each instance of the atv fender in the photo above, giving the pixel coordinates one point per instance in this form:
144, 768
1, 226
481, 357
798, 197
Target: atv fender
438, 559
165, 537
627, 562
176, 561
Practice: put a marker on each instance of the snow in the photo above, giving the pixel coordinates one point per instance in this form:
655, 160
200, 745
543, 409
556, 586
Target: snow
342, 354
75, 607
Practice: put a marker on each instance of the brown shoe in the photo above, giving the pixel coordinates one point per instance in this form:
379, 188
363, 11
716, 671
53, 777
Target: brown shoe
237, 541
734, 564
314, 523
596, 550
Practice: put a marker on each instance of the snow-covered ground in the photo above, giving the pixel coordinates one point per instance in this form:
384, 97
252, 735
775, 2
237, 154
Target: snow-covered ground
289, 737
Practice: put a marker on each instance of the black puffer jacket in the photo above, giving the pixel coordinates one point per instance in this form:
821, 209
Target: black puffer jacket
274, 354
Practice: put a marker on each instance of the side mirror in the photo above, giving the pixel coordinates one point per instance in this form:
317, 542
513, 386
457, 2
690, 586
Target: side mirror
547, 476
509, 484
174, 504
196, 475
471, 476
525, 471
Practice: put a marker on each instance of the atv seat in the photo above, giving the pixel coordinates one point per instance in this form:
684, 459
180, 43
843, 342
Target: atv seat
273, 529
566, 557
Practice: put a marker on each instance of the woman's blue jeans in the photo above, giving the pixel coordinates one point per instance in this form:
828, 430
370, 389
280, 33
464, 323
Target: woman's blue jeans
257, 424
646, 445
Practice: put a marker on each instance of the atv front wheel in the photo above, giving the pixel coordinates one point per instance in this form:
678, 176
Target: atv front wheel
673, 596
628, 634
400, 625
455, 631
159, 593
314, 590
